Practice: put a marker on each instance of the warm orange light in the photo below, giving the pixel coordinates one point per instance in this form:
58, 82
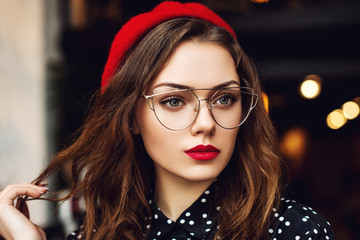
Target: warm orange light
266, 101
311, 86
350, 109
260, 1
293, 143
336, 119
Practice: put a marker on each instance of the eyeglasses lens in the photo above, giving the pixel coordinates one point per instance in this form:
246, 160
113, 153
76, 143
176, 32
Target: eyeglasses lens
178, 109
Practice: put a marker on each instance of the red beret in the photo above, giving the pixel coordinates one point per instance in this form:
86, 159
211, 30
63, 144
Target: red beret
139, 25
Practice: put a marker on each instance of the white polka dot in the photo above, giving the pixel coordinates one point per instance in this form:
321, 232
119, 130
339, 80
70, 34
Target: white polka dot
287, 223
204, 215
191, 222
192, 234
325, 231
287, 201
73, 233
314, 212
305, 208
187, 214
276, 214
327, 237
297, 237
169, 221
148, 226
182, 221
289, 207
279, 230
207, 230
271, 230
282, 199
150, 201
281, 219
304, 219
203, 200
309, 238
274, 209
156, 216
207, 192
315, 231
209, 222
218, 208
158, 233
307, 232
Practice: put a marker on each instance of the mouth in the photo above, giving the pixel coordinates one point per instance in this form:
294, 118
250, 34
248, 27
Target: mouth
203, 153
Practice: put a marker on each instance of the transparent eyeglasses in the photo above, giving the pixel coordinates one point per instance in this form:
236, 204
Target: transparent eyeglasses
177, 109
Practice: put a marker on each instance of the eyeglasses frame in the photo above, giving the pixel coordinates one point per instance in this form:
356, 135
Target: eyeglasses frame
209, 105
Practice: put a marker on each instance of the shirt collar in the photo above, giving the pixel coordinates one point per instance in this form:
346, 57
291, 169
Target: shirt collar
199, 220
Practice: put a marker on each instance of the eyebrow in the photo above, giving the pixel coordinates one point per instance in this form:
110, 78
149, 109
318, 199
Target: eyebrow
181, 86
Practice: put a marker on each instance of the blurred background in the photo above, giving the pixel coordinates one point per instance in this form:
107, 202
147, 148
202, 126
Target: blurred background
52, 54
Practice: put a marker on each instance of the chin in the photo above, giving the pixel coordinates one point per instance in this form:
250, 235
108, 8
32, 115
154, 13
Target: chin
201, 177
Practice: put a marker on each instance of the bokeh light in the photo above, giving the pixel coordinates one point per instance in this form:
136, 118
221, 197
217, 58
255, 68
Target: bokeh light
266, 101
293, 144
336, 119
260, 1
310, 89
350, 109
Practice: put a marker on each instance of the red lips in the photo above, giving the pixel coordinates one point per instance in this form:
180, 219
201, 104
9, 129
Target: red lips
203, 153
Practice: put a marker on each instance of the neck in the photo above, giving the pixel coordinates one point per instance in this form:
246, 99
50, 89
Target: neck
173, 195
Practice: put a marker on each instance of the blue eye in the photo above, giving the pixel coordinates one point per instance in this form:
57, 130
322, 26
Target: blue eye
224, 100
174, 102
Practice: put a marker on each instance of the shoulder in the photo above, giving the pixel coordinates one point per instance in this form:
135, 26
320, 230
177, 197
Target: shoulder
294, 220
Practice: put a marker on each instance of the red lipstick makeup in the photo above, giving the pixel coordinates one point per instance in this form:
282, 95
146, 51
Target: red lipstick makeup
203, 153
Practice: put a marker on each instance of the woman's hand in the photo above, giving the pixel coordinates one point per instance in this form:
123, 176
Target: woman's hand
15, 224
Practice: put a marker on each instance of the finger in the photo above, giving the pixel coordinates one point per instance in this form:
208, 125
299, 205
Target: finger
11, 192
22, 207
43, 234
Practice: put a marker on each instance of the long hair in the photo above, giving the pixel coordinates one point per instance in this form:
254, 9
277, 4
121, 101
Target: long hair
111, 170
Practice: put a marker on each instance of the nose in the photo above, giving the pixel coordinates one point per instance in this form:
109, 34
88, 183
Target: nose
204, 122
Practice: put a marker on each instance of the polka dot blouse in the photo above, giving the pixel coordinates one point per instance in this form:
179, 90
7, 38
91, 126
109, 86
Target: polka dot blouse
291, 221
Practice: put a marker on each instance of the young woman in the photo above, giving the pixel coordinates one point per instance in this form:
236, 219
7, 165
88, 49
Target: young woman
178, 144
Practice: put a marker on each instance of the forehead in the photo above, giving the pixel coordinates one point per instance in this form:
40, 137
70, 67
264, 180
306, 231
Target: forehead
198, 65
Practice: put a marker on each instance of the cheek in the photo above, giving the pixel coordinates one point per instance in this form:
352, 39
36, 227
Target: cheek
157, 139
230, 142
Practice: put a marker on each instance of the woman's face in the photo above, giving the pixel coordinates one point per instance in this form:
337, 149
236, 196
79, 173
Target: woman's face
194, 65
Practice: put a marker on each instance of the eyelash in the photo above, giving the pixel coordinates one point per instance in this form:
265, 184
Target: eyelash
167, 101
230, 97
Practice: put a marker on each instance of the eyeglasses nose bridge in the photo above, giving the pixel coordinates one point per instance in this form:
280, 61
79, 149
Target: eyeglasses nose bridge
197, 108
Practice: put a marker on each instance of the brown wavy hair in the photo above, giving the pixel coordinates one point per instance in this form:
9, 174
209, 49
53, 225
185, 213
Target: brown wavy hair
111, 170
